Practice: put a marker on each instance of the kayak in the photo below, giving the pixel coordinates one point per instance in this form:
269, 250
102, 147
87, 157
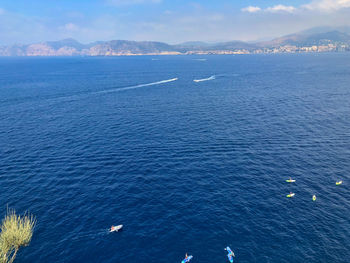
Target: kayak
116, 228
291, 195
290, 181
339, 182
314, 198
230, 254
187, 259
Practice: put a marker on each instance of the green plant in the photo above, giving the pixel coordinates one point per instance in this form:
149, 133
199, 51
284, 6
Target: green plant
16, 232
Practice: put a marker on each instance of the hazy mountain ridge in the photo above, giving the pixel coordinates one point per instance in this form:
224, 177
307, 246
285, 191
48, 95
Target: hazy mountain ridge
202, 46
125, 47
316, 39
302, 39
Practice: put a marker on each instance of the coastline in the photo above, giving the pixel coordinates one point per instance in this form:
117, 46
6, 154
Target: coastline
221, 52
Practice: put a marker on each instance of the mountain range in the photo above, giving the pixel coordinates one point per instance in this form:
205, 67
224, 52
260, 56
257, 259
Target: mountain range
315, 39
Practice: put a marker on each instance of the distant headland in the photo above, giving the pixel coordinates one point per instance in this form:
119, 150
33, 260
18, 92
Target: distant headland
312, 40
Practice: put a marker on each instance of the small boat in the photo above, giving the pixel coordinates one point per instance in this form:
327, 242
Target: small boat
290, 180
314, 198
116, 228
339, 182
291, 195
206, 79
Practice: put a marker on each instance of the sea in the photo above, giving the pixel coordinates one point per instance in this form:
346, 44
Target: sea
189, 153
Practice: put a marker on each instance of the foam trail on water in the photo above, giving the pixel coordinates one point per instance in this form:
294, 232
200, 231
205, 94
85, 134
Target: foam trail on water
81, 96
206, 79
137, 86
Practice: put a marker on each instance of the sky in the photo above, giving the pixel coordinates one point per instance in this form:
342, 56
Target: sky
171, 21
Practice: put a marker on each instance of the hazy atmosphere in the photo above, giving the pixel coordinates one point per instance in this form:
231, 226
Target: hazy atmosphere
23, 21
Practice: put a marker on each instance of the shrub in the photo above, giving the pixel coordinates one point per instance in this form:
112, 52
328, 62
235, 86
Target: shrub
16, 232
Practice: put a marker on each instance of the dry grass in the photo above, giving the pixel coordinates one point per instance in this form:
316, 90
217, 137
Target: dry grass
16, 232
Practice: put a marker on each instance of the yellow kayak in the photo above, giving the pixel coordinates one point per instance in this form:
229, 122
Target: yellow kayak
314, 198
339, 182
291, 195
290, 181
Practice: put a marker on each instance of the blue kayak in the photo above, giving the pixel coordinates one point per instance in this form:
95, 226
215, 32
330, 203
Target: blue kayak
187, 259
230, 254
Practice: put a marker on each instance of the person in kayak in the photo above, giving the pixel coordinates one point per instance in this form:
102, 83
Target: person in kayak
187, 259
230, 252
112, 228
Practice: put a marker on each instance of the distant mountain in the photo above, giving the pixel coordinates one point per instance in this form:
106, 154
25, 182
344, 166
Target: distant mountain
233, 45
194, 44
305, 39
211, 47
124, 47
68, 42
325, 29
71, 47
321, 39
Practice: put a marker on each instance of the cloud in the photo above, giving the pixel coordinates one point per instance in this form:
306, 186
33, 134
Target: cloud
280, 8
131, 2
251, 9
327, 5
2, 11
272, 9
315, 5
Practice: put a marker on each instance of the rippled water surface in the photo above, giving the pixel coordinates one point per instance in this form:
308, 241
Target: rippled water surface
185, 166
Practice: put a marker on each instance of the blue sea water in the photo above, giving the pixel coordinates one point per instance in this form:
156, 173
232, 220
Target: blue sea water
185, 166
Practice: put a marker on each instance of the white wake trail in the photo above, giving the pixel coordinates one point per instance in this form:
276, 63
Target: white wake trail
137, 86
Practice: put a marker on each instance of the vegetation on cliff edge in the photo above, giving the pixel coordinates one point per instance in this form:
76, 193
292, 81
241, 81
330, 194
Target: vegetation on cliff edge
16, 232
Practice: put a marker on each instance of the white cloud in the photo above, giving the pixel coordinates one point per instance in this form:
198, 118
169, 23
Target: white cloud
272, 9
281, 8
315, 5
132, 2
327, 5
251, 9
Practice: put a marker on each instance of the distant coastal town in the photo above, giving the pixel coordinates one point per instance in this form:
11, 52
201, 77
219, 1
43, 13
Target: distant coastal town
280, 49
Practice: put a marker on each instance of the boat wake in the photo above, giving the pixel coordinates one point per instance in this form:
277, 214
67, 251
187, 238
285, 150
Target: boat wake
137, 86
206, 79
